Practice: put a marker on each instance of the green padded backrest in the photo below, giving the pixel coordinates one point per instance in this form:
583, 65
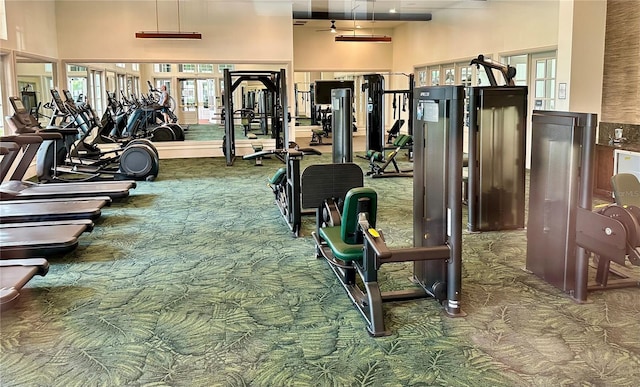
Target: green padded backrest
402, 140
279, 176
626, 189
349, 225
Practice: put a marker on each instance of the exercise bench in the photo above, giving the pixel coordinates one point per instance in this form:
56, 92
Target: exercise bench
403, 141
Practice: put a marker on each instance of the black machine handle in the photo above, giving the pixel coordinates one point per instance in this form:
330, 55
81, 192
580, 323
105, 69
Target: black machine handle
508, 72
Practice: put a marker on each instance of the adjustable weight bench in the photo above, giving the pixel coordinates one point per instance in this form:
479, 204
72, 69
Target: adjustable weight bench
394, 131
377, 170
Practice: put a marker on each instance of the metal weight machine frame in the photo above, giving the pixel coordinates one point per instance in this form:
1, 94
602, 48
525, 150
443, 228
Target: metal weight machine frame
497, 151
341, 122
437, 224
375, 92
563, 231
276, 83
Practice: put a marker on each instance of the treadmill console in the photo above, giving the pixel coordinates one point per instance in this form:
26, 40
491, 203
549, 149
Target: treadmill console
21, 117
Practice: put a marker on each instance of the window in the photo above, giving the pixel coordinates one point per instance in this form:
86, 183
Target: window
159, 82
187, 68
121, 86
519, 62
97, 91
74, 68
545, 83
188, 95
162, 67
422, 78
135, 66
466, 75
136, 84
481, 77
435, 76
205, 68
120, 65
449, 76
221, 67
78, 87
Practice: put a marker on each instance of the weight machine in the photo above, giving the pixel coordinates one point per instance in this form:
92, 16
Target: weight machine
497, 151
563, 232
341, 122
308, 100
275, 82
355, 250
375, 96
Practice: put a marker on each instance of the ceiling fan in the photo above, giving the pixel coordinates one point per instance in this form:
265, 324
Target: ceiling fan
333, 28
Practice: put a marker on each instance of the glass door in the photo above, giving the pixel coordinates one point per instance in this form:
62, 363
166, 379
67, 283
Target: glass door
544, 84
77, 87
206, 100
187, 107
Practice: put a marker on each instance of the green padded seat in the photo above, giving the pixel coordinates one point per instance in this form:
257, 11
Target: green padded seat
341, 250
279, 176
318, 132
341, 239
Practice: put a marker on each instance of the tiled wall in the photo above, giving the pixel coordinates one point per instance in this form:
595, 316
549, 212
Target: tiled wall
621, 82
630, 132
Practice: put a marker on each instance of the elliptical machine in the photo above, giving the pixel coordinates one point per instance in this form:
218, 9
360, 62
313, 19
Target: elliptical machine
154, 99
133, 160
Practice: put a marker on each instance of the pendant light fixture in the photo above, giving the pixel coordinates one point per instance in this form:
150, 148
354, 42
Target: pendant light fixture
157, 34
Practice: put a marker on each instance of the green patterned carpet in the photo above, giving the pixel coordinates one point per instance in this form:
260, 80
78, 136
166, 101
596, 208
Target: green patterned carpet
208, 132
196, 280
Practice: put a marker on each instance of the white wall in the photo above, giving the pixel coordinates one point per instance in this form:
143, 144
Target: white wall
492, 27
318, 51
232, 31
31, 27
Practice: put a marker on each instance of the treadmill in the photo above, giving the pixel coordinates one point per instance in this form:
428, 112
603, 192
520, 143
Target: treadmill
15, 273
15, 189
49, 209
38, 239
20, 211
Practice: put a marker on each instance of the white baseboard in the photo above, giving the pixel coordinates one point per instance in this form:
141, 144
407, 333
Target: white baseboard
193, 149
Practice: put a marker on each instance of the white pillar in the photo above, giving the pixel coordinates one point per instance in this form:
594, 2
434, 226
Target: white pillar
581, 36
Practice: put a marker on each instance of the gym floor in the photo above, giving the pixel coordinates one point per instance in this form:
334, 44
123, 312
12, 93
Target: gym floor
195, 280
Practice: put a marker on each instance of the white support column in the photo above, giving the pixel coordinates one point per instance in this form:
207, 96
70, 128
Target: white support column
581, 35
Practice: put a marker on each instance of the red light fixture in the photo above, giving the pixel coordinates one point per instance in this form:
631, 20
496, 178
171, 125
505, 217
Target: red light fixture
168, 35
